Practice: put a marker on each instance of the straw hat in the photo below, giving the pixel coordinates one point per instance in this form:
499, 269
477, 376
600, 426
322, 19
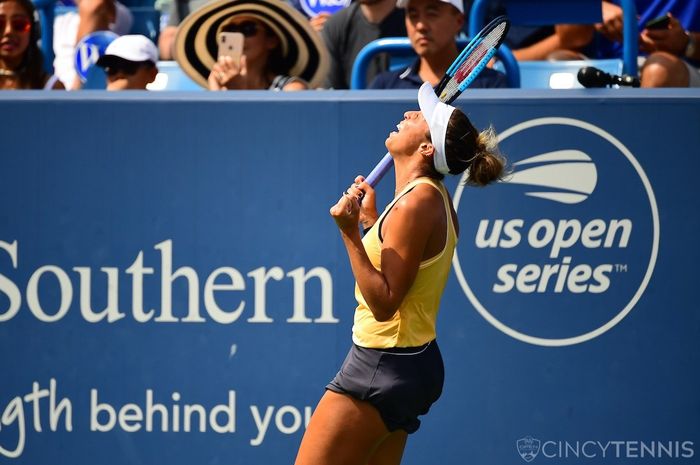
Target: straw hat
303, 50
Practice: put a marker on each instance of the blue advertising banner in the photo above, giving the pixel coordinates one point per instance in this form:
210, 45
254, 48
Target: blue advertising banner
173, 289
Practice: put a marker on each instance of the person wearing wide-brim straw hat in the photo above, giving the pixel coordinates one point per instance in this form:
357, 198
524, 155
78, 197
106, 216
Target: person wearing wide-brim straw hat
281, 50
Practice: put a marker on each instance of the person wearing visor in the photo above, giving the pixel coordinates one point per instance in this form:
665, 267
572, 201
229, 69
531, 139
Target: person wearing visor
394, 372
130, 63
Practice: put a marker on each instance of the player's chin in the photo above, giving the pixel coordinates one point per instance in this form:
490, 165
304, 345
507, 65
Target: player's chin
394, 144
389, 140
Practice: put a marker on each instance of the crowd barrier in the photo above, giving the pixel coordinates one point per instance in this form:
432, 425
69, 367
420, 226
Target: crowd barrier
173, 290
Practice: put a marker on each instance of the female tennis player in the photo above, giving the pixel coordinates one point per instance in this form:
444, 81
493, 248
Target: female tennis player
394, 370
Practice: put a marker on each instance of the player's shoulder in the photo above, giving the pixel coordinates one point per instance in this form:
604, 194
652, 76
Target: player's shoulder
423, 199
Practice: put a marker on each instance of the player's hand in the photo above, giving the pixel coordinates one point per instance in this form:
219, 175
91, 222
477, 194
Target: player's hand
368, 204
346, 213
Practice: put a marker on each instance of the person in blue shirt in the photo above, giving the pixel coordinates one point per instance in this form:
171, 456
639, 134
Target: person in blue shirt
673, 50
432, 26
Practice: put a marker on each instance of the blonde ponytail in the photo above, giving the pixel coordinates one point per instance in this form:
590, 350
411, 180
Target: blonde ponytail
488, 164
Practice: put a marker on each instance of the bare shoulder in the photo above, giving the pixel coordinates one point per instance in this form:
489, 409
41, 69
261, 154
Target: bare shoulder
423, 200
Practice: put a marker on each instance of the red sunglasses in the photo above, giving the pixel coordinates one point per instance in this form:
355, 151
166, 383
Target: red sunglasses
17, 24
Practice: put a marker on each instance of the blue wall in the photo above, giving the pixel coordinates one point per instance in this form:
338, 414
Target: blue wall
571, 316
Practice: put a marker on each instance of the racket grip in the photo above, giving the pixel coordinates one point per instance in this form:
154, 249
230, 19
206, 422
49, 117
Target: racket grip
380, 170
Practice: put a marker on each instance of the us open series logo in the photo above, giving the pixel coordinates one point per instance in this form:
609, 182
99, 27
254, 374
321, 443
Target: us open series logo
563, 249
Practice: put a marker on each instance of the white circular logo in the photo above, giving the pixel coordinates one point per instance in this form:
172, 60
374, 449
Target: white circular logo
563, 249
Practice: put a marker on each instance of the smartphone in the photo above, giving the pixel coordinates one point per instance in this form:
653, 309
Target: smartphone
660, 22
231, 44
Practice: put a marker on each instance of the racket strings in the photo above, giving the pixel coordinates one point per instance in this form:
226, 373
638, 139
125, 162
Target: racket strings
478, 56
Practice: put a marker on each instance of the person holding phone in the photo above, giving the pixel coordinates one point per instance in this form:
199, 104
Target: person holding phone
254, 64
670, 33
261, 44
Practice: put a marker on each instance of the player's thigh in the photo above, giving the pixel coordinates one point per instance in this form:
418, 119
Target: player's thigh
342, 431
390, 450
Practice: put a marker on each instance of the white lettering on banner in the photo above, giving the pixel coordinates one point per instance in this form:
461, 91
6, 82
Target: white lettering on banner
262, 422
131, 417
616, 450
15, 413
575, 227
24, 413
222, 280
313, 3
9, 288
562, 235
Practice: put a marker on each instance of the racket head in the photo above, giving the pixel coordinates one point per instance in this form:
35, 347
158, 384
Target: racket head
462, 72
473, 59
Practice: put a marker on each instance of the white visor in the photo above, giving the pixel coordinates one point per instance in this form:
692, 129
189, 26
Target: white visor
437, 114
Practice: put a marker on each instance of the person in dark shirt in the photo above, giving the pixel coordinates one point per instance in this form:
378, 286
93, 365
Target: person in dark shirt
350, 29
432, 26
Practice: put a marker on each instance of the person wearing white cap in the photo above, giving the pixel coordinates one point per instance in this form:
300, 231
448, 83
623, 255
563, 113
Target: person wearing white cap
394, 371
130, 62
432, 27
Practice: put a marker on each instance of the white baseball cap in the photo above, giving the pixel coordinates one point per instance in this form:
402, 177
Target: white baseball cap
134, 47
455, 3
437, 114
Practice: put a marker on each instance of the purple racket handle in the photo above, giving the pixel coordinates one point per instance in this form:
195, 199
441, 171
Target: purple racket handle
380, 170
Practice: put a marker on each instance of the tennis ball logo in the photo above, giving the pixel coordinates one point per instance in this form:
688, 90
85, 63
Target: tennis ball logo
563, 249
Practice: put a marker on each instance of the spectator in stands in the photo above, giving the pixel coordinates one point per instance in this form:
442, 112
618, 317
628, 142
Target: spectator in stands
70, 28
347, 31
557, 42
317, 21
130, 63
673, 51
178, 10
432, 27
280, 51
21, 60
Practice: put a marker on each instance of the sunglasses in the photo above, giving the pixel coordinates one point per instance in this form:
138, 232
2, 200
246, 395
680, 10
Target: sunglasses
247, 28
17, 24
127, 68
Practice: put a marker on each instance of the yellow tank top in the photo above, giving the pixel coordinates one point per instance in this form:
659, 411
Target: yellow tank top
414, 322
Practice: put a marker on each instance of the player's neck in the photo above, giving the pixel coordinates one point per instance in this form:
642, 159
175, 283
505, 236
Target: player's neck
406, 174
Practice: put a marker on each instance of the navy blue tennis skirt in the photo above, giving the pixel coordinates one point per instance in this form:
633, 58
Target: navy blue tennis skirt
402, 382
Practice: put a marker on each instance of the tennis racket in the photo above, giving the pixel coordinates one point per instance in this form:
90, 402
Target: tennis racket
461, 73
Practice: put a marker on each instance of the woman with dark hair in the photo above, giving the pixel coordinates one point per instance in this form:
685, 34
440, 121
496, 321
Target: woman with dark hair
262, 64
21, 60
394, 371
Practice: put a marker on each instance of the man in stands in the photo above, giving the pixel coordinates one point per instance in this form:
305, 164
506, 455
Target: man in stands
432, 27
